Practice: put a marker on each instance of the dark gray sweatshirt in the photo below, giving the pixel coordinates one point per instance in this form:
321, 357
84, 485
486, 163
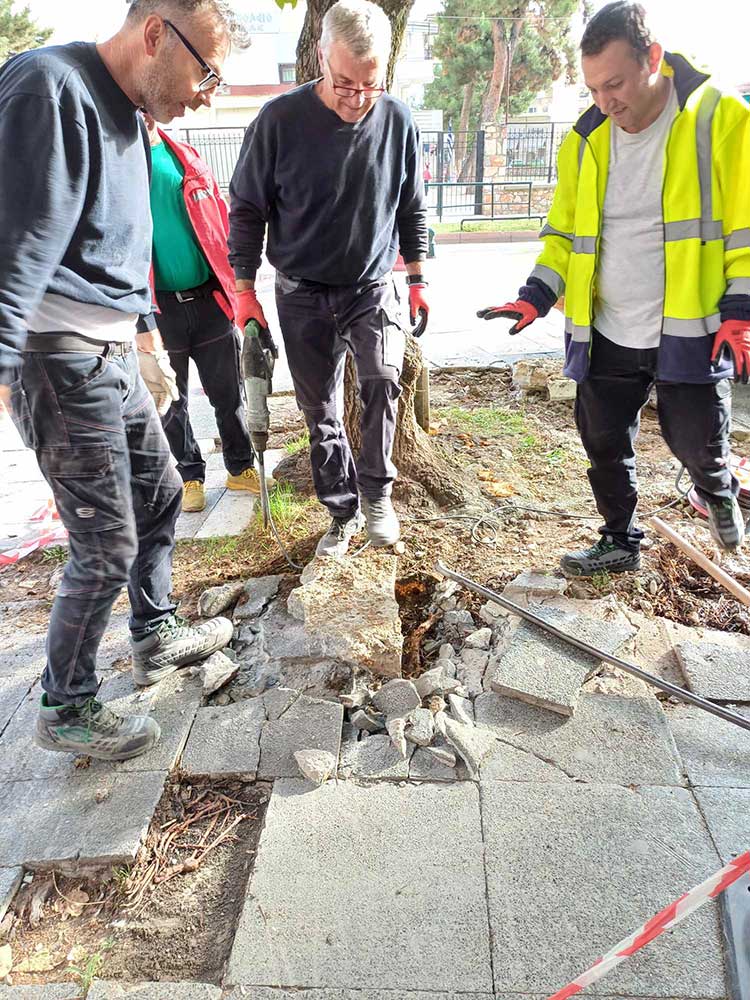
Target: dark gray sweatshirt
74, 191
339, 199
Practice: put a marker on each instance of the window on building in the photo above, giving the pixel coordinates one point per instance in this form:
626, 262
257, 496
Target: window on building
287, 73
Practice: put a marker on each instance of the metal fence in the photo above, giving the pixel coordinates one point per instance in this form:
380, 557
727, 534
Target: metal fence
219, 147
531, 150
454, 202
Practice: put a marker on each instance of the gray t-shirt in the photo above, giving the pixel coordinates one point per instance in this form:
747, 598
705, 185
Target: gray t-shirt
629, 299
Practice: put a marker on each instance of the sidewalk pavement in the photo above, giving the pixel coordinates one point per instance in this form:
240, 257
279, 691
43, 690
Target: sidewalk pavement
462, 279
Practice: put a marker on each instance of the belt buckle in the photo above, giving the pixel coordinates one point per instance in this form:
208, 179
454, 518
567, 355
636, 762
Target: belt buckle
183, 297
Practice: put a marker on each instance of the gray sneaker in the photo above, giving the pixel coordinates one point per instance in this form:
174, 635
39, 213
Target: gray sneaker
176, 644
94, 730
336, 540
604, 557
382, 524
726, 521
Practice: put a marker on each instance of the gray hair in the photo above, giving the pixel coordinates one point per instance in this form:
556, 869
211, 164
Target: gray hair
362, 27
228, 19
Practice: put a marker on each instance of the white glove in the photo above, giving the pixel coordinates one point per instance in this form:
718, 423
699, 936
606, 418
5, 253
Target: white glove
160, 379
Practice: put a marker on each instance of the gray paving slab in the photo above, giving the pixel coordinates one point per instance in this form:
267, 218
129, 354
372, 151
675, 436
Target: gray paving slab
713, 752
269, 993
173, 702
349, 891
373, 756
573, 869
91, 818
101, 990
10, 879
225, 741
716, 671
53, 991
542, 670
727, 814
23, 654
230, 516
309, 724
611, 738
189, 524
13, 692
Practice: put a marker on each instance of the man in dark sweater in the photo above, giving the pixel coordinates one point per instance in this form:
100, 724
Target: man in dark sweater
75, 253
334, 170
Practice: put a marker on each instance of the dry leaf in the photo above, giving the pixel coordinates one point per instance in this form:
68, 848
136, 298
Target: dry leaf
499, 489
75, 901
486, 475
42, 961
6, 960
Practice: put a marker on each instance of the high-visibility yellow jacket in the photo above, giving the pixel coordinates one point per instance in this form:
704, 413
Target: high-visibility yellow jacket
706, 216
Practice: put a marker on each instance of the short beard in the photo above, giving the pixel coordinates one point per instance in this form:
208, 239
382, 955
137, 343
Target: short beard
157, 94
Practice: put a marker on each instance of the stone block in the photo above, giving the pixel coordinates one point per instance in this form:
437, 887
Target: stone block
397, 699
10, 879
536, 585
543, 670
214, 672
345, 889
225, 741
471, 668
713, 752
425, 766
95, 819
277, 700
350, 606
716, 671
611, 739
373, 757
473, 744
258, 592
310, 724
573, 869
104, 990
315, 765
727, 814
216, 600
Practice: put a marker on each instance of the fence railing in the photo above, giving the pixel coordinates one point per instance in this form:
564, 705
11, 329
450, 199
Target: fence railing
459, 202
531, 150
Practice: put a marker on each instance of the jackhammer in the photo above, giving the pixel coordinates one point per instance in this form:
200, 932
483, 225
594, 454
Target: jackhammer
259, 354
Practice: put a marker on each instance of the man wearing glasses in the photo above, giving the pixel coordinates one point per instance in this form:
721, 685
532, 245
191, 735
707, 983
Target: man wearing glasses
334, 169
75, 254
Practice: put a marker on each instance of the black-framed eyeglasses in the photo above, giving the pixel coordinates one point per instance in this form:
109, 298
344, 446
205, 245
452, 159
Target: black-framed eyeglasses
369, 93
212, 80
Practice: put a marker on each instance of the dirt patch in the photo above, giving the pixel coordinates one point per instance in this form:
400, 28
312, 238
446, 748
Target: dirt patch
172, 916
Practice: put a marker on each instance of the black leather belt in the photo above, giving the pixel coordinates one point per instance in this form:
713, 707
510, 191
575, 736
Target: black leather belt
201, 292
73, 343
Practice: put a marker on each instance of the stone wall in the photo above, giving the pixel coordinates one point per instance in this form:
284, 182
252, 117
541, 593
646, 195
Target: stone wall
510, 200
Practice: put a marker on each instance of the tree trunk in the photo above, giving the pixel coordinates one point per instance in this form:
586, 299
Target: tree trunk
494, 92
467, 151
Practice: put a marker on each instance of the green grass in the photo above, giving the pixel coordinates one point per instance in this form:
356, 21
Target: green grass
297, 444
602, 581
57, 554
491, 226
490, 421
286, 506
89, 970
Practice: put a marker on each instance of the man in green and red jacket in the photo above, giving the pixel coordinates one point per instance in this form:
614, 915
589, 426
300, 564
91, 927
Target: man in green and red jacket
193, 287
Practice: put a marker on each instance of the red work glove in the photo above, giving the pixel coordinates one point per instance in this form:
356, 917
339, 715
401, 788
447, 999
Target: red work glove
249, 308
523, 312
733, 339
418, 305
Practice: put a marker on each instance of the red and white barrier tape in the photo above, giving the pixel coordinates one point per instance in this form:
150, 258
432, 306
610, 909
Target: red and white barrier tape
50, 532
664, 921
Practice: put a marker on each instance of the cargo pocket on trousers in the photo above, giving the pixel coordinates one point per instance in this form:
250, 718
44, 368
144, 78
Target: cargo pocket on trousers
85, 487
393, 340
20, 414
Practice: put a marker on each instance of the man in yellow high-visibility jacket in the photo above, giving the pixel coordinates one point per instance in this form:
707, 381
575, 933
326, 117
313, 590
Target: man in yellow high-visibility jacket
648, 238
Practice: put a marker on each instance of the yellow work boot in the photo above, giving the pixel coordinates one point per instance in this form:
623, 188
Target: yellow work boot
248, 480
193, 496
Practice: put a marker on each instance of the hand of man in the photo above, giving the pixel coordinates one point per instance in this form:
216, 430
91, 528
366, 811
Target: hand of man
523, 312
733, 339
249, 308
159, 377
418, 304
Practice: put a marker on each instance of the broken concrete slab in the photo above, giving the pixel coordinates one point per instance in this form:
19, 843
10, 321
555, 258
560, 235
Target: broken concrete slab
727, 815
713, 752
309, 724
716, 671
377, 835
10, 879
315, 765
350, 605
258, 593
96, 819
613, 739
480, 639
431, 682
605, 860
427, 766
225, 741
172, 702
543, 670
420, 727
474, 744
534, 585
277, 700
397, 699
104, 990
462, 709
374, 757
371, 722
214, 672
471, 668
216, 600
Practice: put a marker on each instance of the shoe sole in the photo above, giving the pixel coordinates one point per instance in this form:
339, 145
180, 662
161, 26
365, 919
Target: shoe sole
244, 489
145, 678
83, 751
192, 510
577, 574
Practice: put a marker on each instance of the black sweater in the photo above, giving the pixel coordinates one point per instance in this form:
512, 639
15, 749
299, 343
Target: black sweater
74, 191
339, 199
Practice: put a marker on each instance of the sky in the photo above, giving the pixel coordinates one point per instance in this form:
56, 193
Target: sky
715, 32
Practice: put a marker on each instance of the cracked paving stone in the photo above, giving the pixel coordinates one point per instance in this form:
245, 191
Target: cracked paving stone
727, 813
713, 752
225, 741
716, 671
611, 739
373, 756
309, 724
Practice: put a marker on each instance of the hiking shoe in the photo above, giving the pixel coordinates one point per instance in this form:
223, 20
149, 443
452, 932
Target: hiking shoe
193, 496
176, 644
94, 730
248, 480
336, 540
726, 521
604, 557
382, 524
